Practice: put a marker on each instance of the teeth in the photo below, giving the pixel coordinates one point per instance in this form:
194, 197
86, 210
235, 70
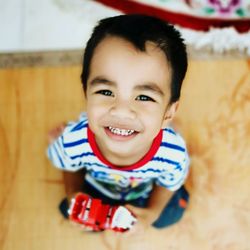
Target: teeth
123, 132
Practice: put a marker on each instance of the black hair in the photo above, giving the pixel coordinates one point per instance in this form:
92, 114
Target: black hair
138, 29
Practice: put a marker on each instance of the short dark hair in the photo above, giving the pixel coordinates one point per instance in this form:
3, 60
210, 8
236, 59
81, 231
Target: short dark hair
138, 29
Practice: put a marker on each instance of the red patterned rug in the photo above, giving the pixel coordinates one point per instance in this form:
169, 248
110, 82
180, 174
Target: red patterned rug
220, 25
190, 14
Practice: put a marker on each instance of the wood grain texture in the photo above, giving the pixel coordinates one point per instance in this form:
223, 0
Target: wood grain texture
214, 119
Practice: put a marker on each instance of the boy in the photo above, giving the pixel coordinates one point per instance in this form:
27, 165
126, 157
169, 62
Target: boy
123, 150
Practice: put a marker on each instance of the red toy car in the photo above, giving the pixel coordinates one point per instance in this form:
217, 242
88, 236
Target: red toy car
94, 214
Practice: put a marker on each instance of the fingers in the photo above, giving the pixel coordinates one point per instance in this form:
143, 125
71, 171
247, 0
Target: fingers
86, 228
136, 210
82, 227
138, 229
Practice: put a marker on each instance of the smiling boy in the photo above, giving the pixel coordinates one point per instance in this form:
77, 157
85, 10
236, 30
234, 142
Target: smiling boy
123, 146
127, 99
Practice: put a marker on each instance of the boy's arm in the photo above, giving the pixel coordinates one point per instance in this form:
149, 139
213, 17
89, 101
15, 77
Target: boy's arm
161, 195
73, 182
157, 201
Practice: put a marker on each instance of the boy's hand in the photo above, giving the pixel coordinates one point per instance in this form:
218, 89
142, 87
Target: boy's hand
145, 217
56, 132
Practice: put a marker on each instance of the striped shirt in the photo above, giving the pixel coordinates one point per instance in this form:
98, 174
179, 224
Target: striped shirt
166, 163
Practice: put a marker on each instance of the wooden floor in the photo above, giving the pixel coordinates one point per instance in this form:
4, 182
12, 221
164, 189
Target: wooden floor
214, 117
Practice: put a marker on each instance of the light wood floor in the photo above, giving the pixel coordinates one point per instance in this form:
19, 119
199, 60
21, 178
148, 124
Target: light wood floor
213, 117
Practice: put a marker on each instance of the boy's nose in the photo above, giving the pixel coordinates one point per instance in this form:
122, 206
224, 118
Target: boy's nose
122, 110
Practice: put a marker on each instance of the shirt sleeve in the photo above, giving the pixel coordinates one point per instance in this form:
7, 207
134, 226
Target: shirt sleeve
59, 153
177, 170
174, 177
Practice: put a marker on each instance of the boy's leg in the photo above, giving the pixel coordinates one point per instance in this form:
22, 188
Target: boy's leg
64, 207
174, 209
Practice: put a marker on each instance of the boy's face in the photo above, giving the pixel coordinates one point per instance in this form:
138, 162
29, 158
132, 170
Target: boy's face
128, 92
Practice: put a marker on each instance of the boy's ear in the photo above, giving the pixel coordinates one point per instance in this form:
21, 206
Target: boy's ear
170, 113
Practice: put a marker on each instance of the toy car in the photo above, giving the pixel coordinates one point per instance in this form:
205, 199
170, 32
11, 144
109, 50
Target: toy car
94, 214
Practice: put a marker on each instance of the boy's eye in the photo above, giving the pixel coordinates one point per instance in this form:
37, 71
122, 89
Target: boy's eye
105, 92
144, 98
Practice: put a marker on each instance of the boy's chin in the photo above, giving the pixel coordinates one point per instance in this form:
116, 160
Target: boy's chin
120, 151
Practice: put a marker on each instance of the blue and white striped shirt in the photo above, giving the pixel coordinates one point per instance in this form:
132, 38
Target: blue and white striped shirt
167, 167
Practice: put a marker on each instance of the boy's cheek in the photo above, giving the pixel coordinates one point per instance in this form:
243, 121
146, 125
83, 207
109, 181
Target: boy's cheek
98, 107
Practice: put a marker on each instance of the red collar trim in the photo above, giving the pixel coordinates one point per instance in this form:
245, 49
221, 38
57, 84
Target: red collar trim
150, 154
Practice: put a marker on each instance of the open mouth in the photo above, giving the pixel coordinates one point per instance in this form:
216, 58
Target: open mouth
121, 132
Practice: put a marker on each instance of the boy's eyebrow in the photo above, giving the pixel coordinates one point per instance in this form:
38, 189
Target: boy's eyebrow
101, 80
148, 86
